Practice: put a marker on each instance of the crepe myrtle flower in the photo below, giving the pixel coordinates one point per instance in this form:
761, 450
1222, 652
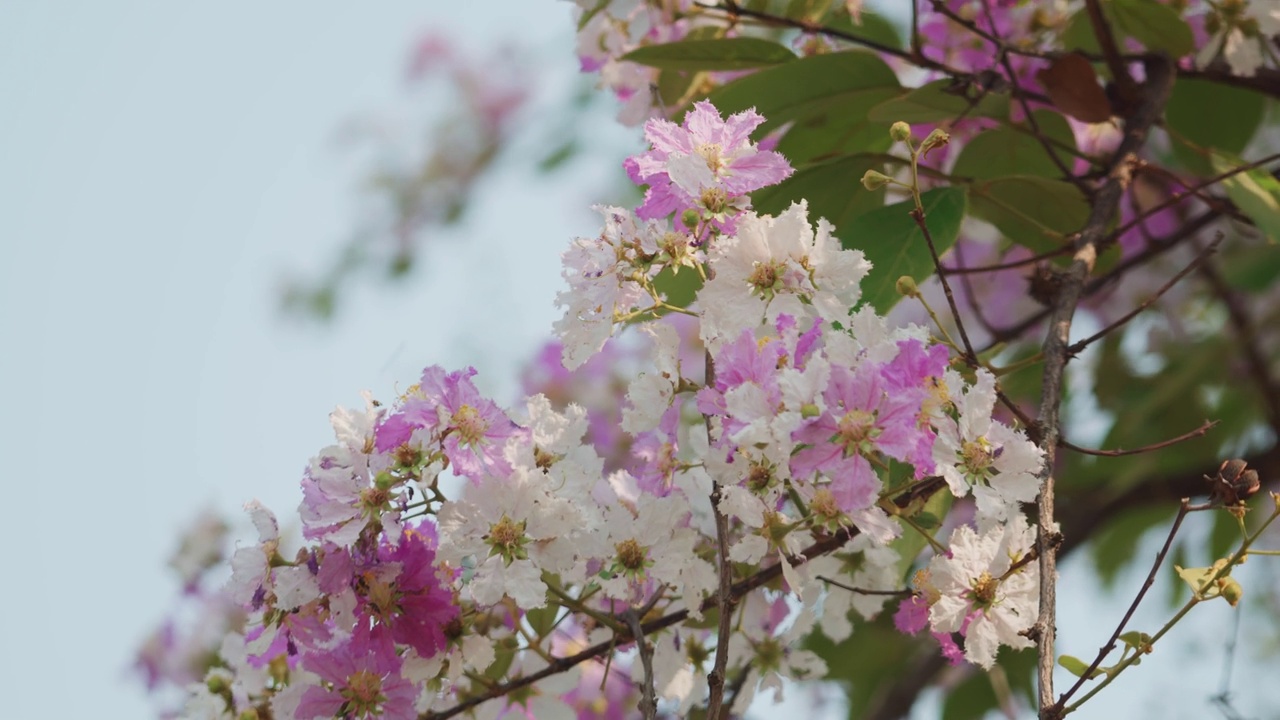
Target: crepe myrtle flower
471, 428
977, 452
985, 590
707, 164
360, 678
778, 265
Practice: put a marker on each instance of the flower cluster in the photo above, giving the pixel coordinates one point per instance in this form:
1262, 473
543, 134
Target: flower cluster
453, 548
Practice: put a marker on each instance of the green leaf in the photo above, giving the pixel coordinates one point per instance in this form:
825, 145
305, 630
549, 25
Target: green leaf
1035, 212
808, 10
1076, 666
1155, 25
1199, 580
1235, 118
874, 27
810, 86
680, 288
542, 619
911, 543
1255, 192
895, 245
741, 53
832, 189
1079, 34
1252, 268
1015, 151
936, 102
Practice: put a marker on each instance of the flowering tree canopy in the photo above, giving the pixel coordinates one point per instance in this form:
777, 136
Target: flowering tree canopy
815, 408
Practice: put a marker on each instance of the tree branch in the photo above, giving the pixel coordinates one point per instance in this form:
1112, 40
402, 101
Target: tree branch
1071, 284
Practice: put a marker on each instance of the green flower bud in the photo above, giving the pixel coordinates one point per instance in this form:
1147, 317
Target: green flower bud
900, 131
690, 218
1230, 590
938, 138
873, 180
906, 287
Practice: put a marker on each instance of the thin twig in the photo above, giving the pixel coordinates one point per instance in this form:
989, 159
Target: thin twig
1196, 262
1247, 335
971, 358
1183, 510
1003, 56
1184, 232
1191, 190
1111, 52
1119, 452
1012, 264
861, 591
648, 695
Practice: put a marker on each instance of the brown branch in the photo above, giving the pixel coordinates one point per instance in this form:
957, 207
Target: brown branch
716, 678
1071, 285
648, 694
1198, 432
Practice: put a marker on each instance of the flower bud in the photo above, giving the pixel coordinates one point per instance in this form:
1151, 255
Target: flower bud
874, 180
1230, 590
900, 131
690, 218
938, 138
906, 286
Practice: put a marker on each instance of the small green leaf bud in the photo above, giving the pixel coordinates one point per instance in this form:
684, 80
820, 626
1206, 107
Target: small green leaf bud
874, 180
900, 131
906, 287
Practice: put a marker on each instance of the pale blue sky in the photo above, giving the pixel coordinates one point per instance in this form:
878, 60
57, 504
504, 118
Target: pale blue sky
162, 165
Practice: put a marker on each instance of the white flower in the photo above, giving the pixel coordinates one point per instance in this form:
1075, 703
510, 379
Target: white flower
977, 452
1244, 31
601, 289
976, 584
513, 530
772, 266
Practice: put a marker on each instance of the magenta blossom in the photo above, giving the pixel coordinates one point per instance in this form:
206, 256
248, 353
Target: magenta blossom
361, 679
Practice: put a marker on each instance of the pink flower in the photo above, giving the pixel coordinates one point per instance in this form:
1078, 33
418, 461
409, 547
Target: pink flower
361, 679
707, 164
472, 428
